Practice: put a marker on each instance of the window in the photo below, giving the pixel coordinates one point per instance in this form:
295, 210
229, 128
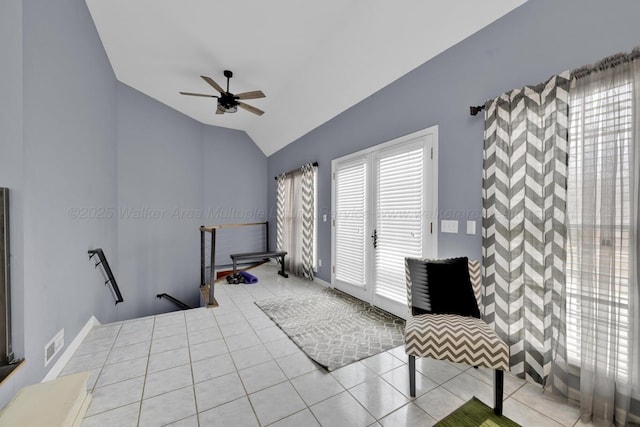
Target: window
600, 138
351, 206
382, 200
401, 223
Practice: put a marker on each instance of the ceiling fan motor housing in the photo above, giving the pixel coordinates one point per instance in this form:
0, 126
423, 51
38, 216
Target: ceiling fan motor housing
227, 100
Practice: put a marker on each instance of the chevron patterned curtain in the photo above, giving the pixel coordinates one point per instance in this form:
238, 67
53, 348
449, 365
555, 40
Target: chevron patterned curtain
523, 228
308, 217
295, 206
280, 211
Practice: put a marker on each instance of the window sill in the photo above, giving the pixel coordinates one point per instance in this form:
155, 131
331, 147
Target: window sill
7, 370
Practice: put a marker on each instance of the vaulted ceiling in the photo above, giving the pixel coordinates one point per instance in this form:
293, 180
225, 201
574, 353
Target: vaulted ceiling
312, 59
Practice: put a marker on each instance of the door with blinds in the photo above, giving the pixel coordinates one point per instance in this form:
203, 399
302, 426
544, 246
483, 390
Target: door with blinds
383, 200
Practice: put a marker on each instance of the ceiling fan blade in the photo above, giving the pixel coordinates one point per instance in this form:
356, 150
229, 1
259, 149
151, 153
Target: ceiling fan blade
198, 94
213, 84
250, 95
219, 110
250, 108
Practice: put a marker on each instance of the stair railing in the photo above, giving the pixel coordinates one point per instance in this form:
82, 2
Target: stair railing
102, 260
176, 301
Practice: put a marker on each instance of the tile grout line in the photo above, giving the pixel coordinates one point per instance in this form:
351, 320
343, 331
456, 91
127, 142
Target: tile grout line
538, 412
306, 406
100, 372
105, 360
237, 371
193, 379
123, 380
146, 370
288, 380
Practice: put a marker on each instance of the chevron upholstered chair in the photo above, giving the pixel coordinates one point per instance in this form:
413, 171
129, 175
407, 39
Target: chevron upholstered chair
451, 337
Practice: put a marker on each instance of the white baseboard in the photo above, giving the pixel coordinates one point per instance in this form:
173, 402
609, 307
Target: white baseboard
71, 349
322, 282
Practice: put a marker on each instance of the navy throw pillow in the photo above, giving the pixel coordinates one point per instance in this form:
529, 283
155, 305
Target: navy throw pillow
450, 288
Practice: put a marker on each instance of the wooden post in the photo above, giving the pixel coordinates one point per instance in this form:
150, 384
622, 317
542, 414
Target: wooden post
212, 279
202, 251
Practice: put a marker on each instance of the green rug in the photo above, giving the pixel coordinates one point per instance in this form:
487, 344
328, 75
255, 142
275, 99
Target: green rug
474, 413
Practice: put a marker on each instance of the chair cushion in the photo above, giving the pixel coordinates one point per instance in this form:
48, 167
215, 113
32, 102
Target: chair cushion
456, 339
443, 287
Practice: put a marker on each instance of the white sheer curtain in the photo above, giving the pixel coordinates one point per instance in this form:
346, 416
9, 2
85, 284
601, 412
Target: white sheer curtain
602, 215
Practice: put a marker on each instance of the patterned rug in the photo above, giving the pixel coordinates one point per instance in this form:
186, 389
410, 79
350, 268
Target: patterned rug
333, 328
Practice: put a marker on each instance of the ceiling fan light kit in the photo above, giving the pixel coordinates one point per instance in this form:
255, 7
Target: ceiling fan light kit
227, 101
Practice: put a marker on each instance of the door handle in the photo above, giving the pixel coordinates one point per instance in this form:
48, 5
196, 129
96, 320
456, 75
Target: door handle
374, 236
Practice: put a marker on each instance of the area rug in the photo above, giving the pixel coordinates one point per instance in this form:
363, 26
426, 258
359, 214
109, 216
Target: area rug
333, 328
474, 413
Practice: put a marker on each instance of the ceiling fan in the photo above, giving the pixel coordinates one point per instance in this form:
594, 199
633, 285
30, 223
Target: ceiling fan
227, 101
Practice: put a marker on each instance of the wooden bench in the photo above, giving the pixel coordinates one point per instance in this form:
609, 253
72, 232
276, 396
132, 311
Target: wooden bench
259, 255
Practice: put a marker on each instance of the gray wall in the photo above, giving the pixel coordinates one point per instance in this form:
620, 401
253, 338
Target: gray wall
540, 38
11, 162
159, 193
69, 164
234, 190
82, 154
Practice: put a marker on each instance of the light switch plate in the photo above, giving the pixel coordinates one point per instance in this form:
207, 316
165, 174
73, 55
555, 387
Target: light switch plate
471, 227
449, 226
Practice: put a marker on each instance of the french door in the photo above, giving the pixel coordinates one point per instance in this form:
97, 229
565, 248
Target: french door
383, 206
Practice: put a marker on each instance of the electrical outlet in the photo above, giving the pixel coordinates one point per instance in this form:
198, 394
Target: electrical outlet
449, 226
319, 263
471, 227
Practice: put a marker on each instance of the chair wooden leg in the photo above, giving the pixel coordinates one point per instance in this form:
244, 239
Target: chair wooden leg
498, 385
412, 376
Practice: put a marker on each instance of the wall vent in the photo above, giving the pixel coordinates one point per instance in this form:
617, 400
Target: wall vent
53, 347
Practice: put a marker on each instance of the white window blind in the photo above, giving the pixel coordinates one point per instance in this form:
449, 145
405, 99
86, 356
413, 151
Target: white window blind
350, 211
399, 225
600, 136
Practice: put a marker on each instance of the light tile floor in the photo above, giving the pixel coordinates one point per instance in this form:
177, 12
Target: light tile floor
231, 366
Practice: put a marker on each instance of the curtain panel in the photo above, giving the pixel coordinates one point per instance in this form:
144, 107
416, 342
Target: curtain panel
602, 277
561, 180
295, 217
523, 225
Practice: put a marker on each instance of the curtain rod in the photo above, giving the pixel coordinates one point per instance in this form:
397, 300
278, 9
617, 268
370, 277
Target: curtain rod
475, 110
606, 63
578, 73
293, 170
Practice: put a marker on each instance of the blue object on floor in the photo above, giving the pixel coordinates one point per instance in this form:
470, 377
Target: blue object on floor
249, 278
